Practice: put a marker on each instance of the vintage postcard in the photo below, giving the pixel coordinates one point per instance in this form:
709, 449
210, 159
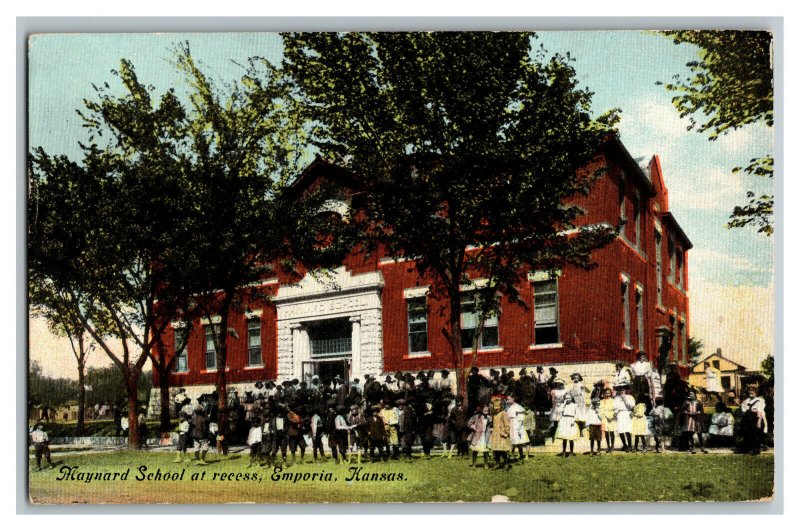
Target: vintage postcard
401, 267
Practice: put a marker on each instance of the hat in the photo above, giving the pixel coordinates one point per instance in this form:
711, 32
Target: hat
389, 378
559, 380
400, 402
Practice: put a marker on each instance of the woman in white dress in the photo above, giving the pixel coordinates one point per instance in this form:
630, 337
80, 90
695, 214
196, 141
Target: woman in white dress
623, 406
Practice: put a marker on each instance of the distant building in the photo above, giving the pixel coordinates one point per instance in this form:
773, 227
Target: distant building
731, 374
375, 315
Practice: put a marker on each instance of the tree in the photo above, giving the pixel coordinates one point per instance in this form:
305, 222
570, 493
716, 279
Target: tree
106, 387
470, 149
768, 367
249, 224
111, 229
60, 310
731, 86
46, 391
696, 347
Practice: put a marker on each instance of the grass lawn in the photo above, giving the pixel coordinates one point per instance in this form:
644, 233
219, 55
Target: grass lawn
545, 478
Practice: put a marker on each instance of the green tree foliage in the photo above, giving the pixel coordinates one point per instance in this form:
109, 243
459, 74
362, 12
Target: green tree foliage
768, 367
249, 223
111, 231
730, 86
696, 350
46, 391
106, 387
468, 146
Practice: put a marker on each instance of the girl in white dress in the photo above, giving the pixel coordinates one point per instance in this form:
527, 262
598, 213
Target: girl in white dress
516, 416
567, 426
623, 406
556, 405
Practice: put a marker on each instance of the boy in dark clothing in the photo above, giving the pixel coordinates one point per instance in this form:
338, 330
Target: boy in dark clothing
376, 434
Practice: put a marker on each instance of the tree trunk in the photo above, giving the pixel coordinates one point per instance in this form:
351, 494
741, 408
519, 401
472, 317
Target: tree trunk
455, 346
163, 386
222, 360
131, 381
81, 427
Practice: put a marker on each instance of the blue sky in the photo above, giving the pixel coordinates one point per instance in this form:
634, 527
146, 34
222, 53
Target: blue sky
731, 271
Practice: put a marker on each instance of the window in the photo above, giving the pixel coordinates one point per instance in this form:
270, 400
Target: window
673, 321
679, 259
254, 341
637, 220
684, 344
640, 315
545, 312
726, 382
417, 324
626, 310
715, 364
469, 324
671, 250
181, 356
659, 271
623, 217
211, 351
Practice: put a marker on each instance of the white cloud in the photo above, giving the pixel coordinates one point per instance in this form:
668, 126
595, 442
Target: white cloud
738, 319
703, 258
706, 188
651, 125
742, 141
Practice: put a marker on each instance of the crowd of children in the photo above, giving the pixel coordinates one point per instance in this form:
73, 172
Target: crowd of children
380, 420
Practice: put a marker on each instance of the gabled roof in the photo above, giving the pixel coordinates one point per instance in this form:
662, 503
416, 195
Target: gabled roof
615, 147
719, 356
669, 220
320, 167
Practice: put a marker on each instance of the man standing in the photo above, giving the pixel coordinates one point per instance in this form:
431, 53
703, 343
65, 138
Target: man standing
41, 445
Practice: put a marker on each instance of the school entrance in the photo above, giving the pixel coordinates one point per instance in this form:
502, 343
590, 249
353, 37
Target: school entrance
330, 326
331, 353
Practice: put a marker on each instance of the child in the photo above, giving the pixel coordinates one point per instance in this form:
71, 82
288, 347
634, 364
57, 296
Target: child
693, 422
623, 406
661, 424
721, 429
479, 428
519, 436
639, 426
183, 440
254, 438
557, 395
316, 435
595, 424
609, 417
340, 435
567, 426
500, 438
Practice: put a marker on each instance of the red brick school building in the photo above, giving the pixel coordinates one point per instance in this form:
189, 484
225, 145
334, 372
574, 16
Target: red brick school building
375, 316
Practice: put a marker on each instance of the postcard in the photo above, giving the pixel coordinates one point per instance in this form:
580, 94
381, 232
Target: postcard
454, 266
